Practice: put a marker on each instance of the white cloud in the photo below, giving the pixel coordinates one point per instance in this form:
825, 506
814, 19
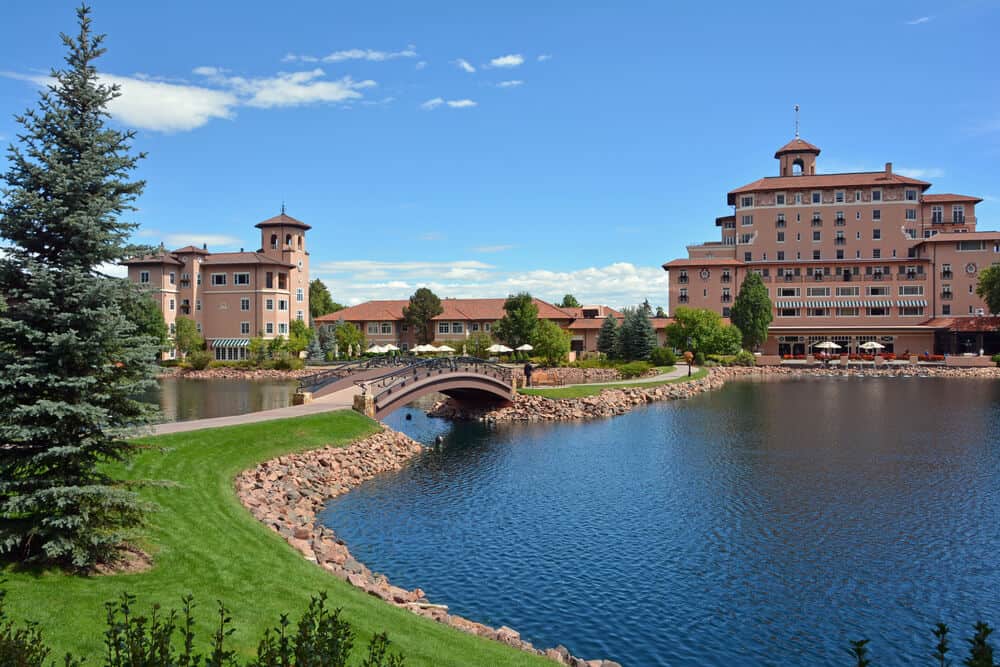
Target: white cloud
113, 270
370, 55
918, 21
921, 172
618, 284
493, 248
545, 56
461, 104
510, 84
510, 60
464, 65
432, 104
167, 107
421, 65
289, 89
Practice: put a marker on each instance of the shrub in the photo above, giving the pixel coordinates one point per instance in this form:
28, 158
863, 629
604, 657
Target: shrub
745, 358
634, 369
662, 356
593, 362
995, 359
699, 359
199, 359
288, 364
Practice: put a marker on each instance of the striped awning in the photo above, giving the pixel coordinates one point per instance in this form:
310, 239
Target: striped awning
230, 342
789, 304
912, 303
878, 303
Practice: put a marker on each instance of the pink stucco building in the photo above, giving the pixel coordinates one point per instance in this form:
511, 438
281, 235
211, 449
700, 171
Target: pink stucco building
848, 257
233, 296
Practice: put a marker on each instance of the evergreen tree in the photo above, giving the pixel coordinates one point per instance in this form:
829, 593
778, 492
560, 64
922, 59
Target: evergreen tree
660, 312
315, 350
320, 301
569, 301
980, 649
519, 322
607, 337
143, 311
646, 308
751, 311
424, 307
636, 337
71, 363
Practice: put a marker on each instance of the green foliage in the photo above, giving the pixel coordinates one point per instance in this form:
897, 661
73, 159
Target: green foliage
699, 358
859, 651
199, 359
569, 301
257, 350
320, 301
315, 350
751, 312
634, 369
663, 356
424, 307
71, 361
745, 358
186, 336
988, 288
142, 311
995, 359
980, 649
660, 313
349, 339
299, 336
700, 330
941, 649
607, 337
551, 343
636, 337
477, 344
20, 644
285, 363
519, 322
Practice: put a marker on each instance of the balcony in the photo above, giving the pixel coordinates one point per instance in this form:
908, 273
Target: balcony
816, 222
726, 278
946, 275
946, 296
840, 241
840, 222
878, 276
683, 280
958, 219
682, 298
818, 277
780, 224
912, 275
789, 278
726, 298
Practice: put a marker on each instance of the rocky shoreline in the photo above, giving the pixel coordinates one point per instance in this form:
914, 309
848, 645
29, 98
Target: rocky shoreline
287, 494
226, 373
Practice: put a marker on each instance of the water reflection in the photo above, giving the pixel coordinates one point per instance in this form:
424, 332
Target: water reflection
181, 399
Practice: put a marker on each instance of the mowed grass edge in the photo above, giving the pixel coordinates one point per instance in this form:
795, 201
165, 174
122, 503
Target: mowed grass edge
206, 543
581, 391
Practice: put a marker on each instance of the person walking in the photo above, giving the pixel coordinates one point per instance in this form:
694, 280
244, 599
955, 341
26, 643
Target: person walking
527, 374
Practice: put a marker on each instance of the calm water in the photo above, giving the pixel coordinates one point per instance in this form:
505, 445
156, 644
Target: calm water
182, 399
764, 524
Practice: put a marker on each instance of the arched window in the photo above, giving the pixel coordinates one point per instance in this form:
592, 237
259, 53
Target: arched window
797, 167
300, 241
288, 240
274, 241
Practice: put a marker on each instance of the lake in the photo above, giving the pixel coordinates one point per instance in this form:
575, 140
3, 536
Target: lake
767, 523
183, 399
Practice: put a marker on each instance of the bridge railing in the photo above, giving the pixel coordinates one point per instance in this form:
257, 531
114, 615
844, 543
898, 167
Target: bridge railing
391, 382
317, 380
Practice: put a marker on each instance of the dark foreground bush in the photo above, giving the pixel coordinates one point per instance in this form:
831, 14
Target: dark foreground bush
662, 356
980, 650
167, 639
634, 369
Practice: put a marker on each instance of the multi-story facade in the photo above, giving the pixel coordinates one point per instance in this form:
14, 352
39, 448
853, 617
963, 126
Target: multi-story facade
382, 322
233, 296
849, 257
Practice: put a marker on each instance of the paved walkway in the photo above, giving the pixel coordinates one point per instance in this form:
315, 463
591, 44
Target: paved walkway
341, 400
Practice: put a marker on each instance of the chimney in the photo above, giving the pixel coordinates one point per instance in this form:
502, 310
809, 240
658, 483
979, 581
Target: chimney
888, 167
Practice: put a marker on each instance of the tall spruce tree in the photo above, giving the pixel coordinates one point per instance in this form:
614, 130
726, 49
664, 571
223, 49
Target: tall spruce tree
71, 362
751, 311
607, 337
636, 337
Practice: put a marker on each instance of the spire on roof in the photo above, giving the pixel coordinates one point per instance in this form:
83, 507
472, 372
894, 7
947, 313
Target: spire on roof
796, 121
283, 204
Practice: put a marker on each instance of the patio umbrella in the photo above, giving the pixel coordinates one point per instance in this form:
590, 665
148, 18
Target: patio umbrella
525, 348
390, 348
375, 349
827, 345
498, 349
444, 348
871, 345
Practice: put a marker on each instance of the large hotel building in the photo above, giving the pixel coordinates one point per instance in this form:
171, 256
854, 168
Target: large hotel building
233, 296
850, 257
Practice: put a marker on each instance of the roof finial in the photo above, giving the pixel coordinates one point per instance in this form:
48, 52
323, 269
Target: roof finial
796, 121
283, 203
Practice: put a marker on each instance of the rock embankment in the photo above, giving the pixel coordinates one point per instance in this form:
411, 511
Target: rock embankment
226, 373
287, 494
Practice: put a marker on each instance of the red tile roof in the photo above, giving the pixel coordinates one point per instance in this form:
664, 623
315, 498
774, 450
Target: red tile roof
948, 197
454, 309
850, 180
704, 261
951, 237
284, 220
242, 258
966, 324
797, 145
160, 258
188, 249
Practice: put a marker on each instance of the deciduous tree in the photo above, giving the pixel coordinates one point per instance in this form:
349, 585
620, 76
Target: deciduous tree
700, 330
988, 288
551, 343
320, 301
349, 338
186, 336
569, 301
519, 322
424, 307
71, 362
751, 311
477, 344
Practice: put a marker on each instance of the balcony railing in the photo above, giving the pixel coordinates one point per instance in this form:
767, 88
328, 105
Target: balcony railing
839, 241
878, 276
840, 222
817, 222
946, 296
726, 278
946, 275
682, 299
780, 224
682, 280
909, 275
726, 298
789, 278
958, 219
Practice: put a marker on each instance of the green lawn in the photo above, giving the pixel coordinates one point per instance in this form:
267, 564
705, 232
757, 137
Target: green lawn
204, 542
582, 390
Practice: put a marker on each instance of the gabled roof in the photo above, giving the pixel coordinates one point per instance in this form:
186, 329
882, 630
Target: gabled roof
704, 261
189, 249
947, 197
797, 145
951, 237
454, 309
283, 220
159, 258
848, 180
242, 258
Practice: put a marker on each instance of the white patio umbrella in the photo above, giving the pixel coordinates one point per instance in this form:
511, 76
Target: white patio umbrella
444, 348
422, 348
498, 349
390, 348
375, 349
871, 345
525, 348
827, 345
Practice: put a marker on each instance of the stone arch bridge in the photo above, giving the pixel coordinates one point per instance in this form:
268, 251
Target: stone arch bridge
387, 383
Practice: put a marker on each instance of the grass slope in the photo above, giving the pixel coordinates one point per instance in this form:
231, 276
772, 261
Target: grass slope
204, 542
582, 390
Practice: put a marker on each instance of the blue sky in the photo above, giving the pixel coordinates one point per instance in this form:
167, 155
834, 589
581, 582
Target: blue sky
487, 149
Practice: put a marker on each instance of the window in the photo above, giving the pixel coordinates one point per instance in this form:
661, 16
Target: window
171, 304
876, 214
838, 196
386, 328
269, 280
173, 278
269, 328
746, 238
817, 291
965, 246
878, 312
817, 312
911, 214
245, 328
876, 234
911, 195
274, 241
911, 311
746, 220
144, 276
245, 303
876, 253
173, 328
300, 315
848, 291
879, 290
779, 199
817, 235
958, 213
282, 281
268, 304
847, 312
946, 309
300, 295
937, 214
857, 195
746, 257
911, 290
816, 254
910, 233
197, 304
218, 279
781, 237
372, 328
241, 278
474, 326
282, 304
840, 254
857, 215
282, 327
457, 327
788, 291
817, 198
199, 278
876, 195
788, 312
798, 197
781, 255
746, 201
443, 327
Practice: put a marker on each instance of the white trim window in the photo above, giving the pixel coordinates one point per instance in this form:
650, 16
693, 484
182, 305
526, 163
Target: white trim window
197, 304
245, 303
282, 304
244, 328
779, 199
746, 201
173, 278
282, 328
218, 279
817, 197
269, 328
171, 304
444, 327
911, 290
241, 278
876, 195
386, 328
457, 327
144, 277
300, 315
372, 328
911, 195
268, 304
300, 295
911, 214
746, 220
